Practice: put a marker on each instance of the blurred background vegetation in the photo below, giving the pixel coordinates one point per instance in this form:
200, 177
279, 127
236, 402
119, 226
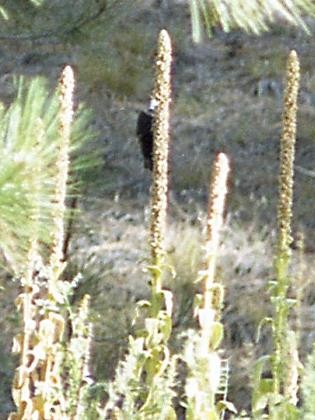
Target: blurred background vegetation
227, 97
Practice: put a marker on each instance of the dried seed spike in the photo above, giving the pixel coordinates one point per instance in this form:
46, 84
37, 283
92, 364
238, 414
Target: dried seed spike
66, 101
66, 117
287, 153
284, 219
217, 195
162, 95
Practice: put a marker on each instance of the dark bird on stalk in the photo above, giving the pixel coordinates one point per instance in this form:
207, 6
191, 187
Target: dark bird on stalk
145, 136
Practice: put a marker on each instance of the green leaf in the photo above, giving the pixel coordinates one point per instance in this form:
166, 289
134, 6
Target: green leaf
213, 415
171, 414
141, 306
217, 335
286, 410
260, 386
259, 366
155, 270
226, 405
262, 394
197, 303
266, 320
166, 327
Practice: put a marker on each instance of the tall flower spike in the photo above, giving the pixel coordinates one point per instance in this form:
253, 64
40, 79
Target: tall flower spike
217, 195
284, 219
162, 94
66, 117
287, 152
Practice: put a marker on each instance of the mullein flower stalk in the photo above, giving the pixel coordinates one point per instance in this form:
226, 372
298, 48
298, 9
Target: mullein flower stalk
212, 290
38, 386
66, 117
216, 205
159, 322
201, 355
145, 380
23, 384
51, 381
162, 97
284, 220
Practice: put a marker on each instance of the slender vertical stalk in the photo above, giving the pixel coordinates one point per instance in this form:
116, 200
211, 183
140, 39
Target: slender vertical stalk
145, 381
66, 116
284, 220
201, 355
162, 96
217, 195
22, 388
49, 380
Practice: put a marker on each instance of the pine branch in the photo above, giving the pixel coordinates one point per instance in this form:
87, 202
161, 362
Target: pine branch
253, 16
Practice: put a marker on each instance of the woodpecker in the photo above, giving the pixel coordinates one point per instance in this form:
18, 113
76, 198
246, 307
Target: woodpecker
145, 134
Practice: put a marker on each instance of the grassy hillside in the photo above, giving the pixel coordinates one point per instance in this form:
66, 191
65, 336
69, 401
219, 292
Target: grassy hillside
227, 97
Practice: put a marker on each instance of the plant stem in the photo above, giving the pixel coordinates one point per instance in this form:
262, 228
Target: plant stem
284, 220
